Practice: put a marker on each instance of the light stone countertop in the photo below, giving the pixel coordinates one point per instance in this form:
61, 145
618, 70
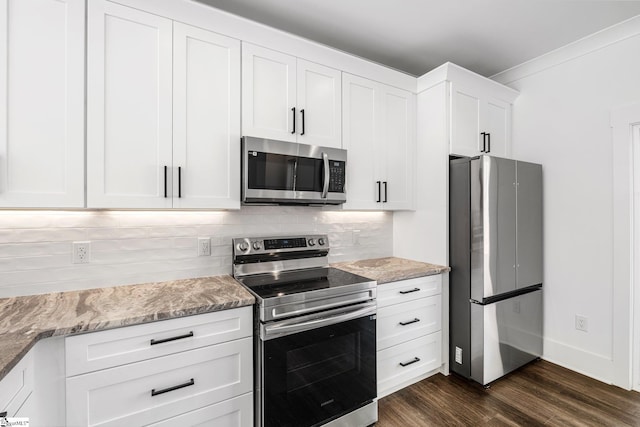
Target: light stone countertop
27, 319
391, 269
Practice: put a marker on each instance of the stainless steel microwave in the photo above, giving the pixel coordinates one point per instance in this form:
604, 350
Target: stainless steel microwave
280, 172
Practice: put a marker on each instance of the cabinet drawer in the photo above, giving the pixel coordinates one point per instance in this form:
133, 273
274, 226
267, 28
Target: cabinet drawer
115, 347
181, 383
16, 387
403, 322
407, 290
236, 412
425, 351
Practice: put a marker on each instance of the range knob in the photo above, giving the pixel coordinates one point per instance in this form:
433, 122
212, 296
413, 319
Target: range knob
312, 242
243, 246
321, 241
256, 245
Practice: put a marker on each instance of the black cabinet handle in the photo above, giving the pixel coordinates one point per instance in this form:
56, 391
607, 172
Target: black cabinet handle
379, 198
155, 392
302, 112
293, 110
165, 182
484, 141
488, 143
179, 181
416, 320
415, 359
385, 192
179, 337
410, 291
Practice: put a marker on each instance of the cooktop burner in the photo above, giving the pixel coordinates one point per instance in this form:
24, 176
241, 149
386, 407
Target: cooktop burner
273, 285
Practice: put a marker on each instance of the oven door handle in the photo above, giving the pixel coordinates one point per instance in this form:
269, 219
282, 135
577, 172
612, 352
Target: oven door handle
325, 186
290, 326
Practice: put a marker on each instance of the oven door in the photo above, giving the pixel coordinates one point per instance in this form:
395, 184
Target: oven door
318, 369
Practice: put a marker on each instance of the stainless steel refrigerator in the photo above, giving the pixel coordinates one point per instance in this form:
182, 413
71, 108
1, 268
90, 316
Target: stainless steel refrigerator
495, 241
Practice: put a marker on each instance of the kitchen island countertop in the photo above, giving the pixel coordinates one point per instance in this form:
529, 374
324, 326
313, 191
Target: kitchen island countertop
25, 320
391, 269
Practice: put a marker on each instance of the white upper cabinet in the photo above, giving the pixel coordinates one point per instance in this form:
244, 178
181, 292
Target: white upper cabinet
42, 103
378, 132
206, 119
129, 108
268, 93
398, 148
289, 99
480, 115
319, 104
361, 125
163, 112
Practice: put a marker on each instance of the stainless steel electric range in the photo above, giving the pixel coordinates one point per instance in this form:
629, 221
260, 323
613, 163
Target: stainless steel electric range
315, 334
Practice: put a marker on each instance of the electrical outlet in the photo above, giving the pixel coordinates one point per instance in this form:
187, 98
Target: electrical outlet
355, 237
582, 323
81, 252
459, 355
516, 306
204, 246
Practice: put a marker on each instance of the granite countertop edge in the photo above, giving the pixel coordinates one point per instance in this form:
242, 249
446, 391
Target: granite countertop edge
18, 339
80, 317
391, 269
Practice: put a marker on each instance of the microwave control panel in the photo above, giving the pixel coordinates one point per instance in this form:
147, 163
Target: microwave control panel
336, 176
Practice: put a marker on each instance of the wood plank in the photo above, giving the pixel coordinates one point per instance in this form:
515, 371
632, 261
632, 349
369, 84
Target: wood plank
540, 393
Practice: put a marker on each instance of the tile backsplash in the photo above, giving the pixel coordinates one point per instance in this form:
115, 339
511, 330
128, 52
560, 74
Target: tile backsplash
130, 247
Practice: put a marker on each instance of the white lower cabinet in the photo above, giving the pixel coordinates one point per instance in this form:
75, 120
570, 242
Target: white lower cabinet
409, 337
205, 376
16, 388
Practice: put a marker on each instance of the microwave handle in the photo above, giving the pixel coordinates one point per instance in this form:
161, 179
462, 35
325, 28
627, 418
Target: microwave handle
325, 186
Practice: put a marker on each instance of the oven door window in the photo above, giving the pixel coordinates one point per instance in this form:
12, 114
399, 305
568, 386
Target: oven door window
314, 376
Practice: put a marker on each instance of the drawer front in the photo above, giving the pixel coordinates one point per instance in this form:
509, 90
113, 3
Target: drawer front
408, 290
181, 382
403, 322
16, 386
427, 351
236, 412
106, 349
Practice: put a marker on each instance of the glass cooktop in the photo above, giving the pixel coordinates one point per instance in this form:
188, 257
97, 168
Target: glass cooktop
274, 285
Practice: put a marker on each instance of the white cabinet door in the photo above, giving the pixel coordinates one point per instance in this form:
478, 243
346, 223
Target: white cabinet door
319, 105
268, 94
42, 103
129, 108
480, 124
236, 412
361, 118
465, 121
397, 147
378, 132
497, 123
147, 392
206, 119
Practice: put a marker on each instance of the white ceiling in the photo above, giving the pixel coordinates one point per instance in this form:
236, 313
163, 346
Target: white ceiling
415, 36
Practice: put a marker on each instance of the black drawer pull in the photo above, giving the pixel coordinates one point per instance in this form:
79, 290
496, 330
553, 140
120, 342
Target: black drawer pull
179, 337
416, 320
410, 291
175, 387
415, 359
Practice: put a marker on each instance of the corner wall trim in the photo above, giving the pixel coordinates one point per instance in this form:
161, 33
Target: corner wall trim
608, 36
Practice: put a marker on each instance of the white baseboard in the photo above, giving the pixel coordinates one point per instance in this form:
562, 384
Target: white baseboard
593, 365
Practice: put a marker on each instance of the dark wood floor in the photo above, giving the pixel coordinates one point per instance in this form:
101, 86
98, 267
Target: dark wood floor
541, 393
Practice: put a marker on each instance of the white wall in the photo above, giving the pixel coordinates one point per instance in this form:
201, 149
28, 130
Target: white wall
130, 247
562, 120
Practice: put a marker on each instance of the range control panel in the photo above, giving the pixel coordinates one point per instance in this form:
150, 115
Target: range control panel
270, 245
